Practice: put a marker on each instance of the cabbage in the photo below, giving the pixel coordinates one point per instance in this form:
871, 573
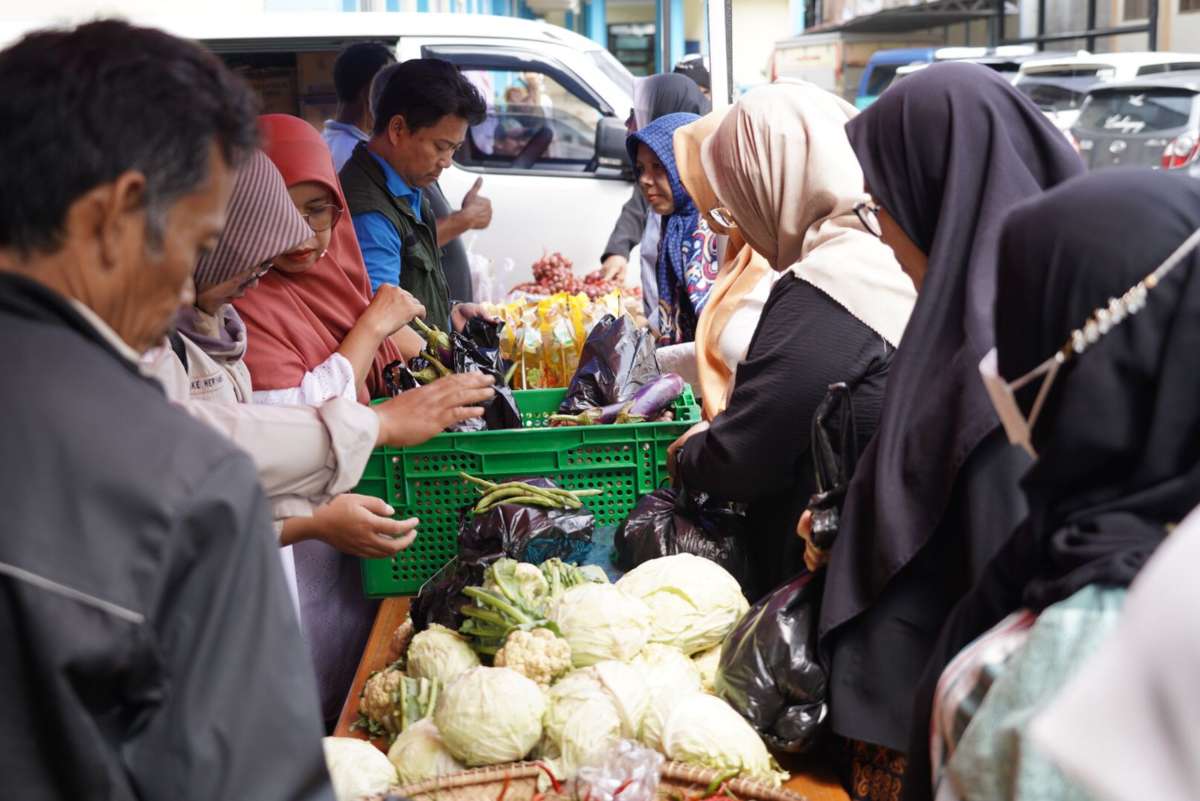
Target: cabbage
420, 753
589, 709
440, 653
600, 622
662, 704
664, 667
703, 730
490, 715
694, 602
708, 662
356, 768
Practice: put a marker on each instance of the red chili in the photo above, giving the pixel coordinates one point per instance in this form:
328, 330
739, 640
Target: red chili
621, 789
504, 789
554, 782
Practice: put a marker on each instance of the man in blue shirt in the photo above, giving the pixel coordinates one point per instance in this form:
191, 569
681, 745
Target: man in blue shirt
423, 111
353, 71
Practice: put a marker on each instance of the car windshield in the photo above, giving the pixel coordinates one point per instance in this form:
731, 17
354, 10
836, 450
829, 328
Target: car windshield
1057, 96
614, 70
881, 78
1130, 112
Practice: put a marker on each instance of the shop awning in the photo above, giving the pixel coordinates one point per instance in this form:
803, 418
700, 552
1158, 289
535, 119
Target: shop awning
918, 16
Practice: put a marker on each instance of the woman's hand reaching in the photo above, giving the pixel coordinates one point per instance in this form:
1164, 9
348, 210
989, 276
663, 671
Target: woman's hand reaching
391, 309
417, 415
362, 526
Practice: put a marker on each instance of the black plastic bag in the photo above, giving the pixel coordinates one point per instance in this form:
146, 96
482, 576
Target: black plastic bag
468, 357
770, 671
667, 522
528, 533
525, 533
441, 596
397, 378
617, 359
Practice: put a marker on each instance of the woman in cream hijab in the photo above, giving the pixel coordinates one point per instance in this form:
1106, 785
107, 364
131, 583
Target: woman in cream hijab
781, 168
736, 301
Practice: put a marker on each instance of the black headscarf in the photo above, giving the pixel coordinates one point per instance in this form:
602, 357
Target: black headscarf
672, 93
947, 152
1118, 440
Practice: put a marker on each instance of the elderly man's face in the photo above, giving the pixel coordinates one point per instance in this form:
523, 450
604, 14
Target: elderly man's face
157, 277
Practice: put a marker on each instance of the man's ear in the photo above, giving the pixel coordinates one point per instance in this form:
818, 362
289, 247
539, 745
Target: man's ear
123, 216
397, 127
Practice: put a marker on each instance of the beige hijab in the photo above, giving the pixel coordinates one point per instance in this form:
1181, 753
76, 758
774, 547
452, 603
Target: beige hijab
741, 271
781, 163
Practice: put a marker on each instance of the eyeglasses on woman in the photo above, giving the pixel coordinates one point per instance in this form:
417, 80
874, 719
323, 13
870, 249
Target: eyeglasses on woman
868, 214
323, 217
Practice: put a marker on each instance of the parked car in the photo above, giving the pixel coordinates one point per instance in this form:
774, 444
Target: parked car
555, 169
1005, 60
836, 60
882, 68
1059, 86
1151, 122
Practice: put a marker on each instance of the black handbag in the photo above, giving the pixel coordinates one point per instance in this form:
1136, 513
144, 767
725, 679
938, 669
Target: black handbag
835, 451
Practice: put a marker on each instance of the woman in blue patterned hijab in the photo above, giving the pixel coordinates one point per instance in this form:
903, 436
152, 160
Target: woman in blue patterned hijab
687, 252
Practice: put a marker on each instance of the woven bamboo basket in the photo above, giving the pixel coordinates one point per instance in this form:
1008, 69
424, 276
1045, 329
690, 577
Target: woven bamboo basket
486, 784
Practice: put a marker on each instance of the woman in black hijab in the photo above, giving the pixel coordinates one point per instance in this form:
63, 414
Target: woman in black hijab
653, 97
946, 153
1117, 435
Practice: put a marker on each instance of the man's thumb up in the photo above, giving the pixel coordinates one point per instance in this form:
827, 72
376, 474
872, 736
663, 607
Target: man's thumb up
473, 191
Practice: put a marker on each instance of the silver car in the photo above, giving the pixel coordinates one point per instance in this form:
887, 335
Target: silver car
1150, 122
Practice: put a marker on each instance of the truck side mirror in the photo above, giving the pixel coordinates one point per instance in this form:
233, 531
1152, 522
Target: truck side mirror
610, 145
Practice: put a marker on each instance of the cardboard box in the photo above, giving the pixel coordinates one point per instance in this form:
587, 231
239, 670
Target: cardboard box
314, 74
316, 113
275, 87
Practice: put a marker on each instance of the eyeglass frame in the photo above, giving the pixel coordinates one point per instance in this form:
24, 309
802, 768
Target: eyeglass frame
724, 218
258, 273
871, 224
1104, 319
336, 215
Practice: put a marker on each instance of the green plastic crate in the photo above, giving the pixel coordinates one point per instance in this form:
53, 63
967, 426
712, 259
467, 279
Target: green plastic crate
627, 461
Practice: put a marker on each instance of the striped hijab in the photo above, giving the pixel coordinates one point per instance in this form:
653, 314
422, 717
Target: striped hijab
261, 223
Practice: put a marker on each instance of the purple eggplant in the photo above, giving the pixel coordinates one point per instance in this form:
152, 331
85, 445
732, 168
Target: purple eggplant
589, 417
655, 397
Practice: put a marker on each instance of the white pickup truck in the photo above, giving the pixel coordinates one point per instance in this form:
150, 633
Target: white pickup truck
561, 195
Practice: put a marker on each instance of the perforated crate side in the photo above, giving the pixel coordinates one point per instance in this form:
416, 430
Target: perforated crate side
627, 461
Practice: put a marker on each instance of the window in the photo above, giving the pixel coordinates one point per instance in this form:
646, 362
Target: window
881, 78
1137, 9
1159, 69
1052, 96
533, 122
1129, 113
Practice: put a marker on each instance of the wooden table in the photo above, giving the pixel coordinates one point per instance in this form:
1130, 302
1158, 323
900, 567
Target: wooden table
816, 782
391, 614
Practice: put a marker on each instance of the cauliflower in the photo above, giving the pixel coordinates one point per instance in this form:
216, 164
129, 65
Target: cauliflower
538, 655
391, 701
377, 703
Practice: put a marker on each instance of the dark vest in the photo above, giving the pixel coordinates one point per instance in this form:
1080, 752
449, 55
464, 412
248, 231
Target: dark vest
365, 187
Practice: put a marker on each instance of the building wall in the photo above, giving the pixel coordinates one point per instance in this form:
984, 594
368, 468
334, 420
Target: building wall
757, 25
1178, 30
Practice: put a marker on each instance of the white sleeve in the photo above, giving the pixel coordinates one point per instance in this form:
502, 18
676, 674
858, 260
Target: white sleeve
332, 378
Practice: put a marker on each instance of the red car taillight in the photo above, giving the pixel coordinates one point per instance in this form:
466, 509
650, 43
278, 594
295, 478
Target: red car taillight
1181, 151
